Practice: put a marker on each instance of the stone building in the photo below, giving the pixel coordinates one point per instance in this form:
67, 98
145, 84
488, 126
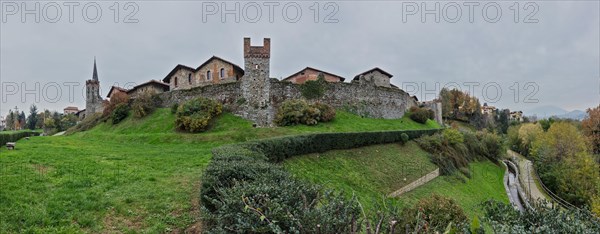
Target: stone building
253, 95
310, 73
516, 116
214, 71
256, 85
376, 75
70, 110
93, 101
114, 90
152, 86
485, 109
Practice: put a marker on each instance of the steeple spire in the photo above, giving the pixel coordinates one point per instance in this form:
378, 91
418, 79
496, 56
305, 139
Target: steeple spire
95, 75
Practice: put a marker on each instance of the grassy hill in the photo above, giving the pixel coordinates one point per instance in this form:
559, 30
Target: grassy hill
368, 172
372, 172
137, 176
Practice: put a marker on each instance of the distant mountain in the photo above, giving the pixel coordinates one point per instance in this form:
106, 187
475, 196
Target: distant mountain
576, 114
554, 111
545, 111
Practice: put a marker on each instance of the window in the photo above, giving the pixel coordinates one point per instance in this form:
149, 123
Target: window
175, 82
208, 77
190, 78
256, 66
222, 73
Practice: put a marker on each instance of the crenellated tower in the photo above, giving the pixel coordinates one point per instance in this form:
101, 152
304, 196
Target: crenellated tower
93, 101
255, 83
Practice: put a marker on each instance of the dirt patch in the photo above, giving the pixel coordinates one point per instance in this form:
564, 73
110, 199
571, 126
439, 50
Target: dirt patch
41, 170
114, 223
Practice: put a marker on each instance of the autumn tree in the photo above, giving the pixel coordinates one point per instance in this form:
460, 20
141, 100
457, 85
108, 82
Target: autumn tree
115, 99
591, 128
527, 134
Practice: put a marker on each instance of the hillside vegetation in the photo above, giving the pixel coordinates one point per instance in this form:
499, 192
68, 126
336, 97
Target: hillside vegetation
369, 172
137, 176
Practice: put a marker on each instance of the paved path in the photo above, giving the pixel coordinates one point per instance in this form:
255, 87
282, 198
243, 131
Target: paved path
527, 178
415, 184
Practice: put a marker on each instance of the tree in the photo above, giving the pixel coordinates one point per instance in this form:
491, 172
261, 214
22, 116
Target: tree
502, 120
10, 120
32, 118
527, 134
591, 128
546, 123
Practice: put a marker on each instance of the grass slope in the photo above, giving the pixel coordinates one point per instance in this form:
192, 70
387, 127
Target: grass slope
486, 183
372, 172
137, 176
368, 172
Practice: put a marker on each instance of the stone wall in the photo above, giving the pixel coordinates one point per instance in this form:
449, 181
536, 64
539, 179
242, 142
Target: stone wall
229, 94
365, 99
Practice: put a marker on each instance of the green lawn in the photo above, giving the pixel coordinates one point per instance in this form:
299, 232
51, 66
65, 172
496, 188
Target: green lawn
372, 172
24, 130
138, 176
485, 183
368, 172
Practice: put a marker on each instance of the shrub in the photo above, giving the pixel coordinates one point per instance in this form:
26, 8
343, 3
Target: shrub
144, 104
544, 218
15, 136
420, 115
195, 115
433, 214
404, 137
452, 136
291, 112
314, 89
120, 112
174, 108
88, 123
298, 111
115, 99
243, 189
327, 112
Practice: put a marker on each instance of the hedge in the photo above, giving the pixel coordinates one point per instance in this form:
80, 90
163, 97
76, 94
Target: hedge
13, 137
244, 189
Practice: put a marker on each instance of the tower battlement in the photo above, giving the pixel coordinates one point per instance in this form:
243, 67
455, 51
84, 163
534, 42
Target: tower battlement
263, 51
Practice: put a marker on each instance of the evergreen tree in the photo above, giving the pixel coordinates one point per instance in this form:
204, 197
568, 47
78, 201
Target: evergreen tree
10, 120
32, 119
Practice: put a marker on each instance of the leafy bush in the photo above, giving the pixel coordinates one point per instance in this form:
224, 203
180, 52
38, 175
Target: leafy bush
174, 108
433, 214
404, 137
298, 111
542, 219
420, 115
452, 136
195, 115
15, 136
243, 189
88, 123
327, 112
115, 99
144, 104
120, 112
314, 89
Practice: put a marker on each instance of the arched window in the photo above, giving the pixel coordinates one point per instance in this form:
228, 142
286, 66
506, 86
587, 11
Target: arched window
222, 73
208, 77
175, 82
190, 78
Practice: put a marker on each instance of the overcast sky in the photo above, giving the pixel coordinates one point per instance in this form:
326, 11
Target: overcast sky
555, 61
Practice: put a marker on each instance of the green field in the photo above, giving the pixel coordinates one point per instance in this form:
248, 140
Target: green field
368, 172
486, 183
374, 171
138, 176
